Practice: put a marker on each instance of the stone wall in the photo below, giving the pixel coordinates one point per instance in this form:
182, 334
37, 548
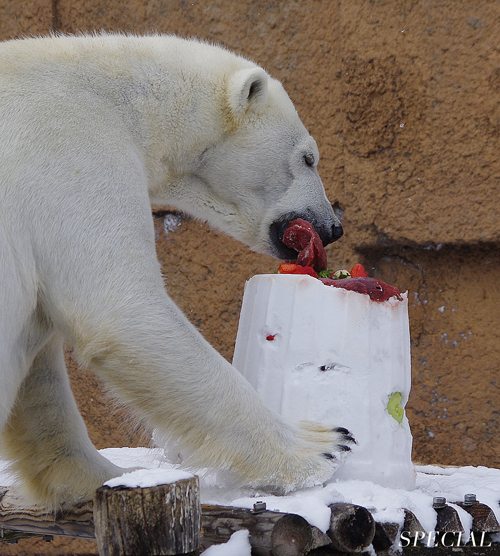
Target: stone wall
403, 100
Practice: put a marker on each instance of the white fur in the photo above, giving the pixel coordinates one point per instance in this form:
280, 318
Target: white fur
92, 129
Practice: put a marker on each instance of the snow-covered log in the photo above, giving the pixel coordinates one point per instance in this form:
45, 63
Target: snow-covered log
158, 520
271, 533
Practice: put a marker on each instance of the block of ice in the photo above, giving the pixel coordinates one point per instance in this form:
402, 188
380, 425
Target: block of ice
333, 356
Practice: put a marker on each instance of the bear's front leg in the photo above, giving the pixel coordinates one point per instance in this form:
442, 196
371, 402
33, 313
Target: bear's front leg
106, 296
156, 362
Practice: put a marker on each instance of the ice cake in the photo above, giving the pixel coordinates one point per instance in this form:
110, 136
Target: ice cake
333, 356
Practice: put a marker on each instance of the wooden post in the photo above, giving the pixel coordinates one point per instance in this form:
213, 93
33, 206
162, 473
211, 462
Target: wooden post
152, 521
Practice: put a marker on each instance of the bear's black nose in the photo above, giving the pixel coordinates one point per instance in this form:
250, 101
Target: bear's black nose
337, 231
329, 235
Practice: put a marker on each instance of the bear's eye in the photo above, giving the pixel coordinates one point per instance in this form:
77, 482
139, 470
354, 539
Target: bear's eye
309, 159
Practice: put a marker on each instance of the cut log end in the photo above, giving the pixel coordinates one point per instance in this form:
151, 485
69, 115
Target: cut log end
352, 527
291, 536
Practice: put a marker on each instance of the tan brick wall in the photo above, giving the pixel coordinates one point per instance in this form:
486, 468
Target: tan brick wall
18, 18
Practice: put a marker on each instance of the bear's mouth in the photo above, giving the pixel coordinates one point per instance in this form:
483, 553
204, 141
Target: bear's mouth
276, 232
278, 227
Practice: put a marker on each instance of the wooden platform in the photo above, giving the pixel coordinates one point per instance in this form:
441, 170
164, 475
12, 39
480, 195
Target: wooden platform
275, 533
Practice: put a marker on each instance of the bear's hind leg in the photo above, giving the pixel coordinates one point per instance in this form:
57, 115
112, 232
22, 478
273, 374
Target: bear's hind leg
46, 438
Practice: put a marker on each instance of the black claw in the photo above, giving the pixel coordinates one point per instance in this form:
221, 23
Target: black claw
344, 448
329, 456
346, 435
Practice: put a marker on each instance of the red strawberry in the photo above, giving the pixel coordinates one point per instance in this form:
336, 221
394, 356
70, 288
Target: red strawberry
292, 268
358, 271
288, 268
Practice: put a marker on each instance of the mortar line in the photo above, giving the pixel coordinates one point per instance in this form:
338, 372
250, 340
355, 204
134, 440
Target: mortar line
56, 23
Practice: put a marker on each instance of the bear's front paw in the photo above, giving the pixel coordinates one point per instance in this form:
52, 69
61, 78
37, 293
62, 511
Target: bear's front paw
322, 451
345, 439
337, 439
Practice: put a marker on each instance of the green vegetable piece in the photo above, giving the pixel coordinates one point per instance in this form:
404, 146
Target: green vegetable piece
325, 273
394, 407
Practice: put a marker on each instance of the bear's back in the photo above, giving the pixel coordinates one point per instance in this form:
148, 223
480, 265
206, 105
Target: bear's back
117, 54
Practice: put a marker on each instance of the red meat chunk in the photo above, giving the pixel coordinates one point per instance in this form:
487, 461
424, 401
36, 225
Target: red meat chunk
301, 236
376, 289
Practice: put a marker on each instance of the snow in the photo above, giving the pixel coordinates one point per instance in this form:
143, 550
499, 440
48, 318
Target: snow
385, 503
144, 478
237, 545
171, 222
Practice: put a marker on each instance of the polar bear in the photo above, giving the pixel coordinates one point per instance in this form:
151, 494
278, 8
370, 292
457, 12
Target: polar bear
93, 129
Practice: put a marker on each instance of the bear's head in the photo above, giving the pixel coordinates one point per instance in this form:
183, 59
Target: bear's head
273, 177
259, 170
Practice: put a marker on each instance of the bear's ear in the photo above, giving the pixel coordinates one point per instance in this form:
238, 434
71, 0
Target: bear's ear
247, 91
